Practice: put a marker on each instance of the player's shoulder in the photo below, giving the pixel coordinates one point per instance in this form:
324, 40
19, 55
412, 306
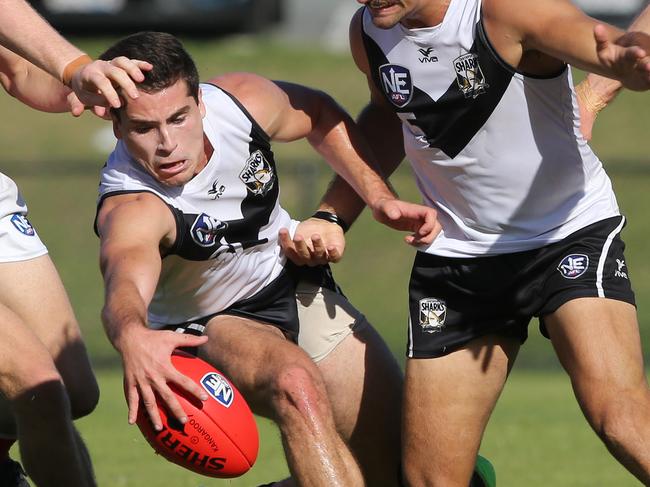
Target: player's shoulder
356, 41
240, 84
142, 210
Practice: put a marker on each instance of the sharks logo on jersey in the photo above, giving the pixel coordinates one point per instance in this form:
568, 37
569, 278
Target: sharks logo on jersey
433, 312
396, 83
206, 230
257, 175
469, 76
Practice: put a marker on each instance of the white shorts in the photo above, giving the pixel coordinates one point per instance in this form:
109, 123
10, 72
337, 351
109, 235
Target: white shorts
326, 319
18, 239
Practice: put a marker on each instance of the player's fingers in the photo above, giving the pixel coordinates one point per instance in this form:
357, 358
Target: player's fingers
319, 252
416, 239
170, 399
76, 107
186, 340
601, 37
133, 67
102, 112
96, 89
285, 241
190, 386
123, 80
302, 248
133, 401
334, 254
151, 406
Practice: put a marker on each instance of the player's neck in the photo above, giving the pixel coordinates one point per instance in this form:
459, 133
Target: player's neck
429, 14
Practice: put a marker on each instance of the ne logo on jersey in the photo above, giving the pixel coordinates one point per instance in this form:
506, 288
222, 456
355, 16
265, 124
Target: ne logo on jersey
396, 83
573, 266
257, 174
433, 312
218, 388
469, 76
206, 230
22, 224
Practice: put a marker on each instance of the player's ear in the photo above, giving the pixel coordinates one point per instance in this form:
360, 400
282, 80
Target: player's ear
201, 105
117, 128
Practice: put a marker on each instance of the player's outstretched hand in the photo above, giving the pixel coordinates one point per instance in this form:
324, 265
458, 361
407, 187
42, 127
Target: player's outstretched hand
315, 242
148, 371
421, 220
96, 83
628, 57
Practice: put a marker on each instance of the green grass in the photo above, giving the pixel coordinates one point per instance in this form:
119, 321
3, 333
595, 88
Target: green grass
537, 436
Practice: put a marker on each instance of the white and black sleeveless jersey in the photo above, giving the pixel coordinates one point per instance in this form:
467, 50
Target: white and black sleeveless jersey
499, 153
227, 217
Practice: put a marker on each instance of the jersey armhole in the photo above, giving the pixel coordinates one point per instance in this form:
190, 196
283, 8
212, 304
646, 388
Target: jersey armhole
257, 130
178, 218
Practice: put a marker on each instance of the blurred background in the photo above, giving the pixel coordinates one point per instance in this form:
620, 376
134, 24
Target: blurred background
537, 435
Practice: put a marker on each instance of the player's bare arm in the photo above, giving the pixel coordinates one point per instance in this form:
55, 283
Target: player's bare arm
31, 85
289, 112
36, 41
595, 92
133, 229
537, 37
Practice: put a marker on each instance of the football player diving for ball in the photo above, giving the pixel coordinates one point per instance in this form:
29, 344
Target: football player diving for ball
187, 265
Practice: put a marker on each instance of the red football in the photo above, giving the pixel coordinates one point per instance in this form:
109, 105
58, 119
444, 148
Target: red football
220, 437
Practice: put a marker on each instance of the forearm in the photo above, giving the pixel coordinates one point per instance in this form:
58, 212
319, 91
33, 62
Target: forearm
382, 129
35, 40
339, 141
31, 85
124, 312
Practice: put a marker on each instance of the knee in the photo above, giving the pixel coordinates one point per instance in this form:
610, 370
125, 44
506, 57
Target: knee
84, 399
297, 390
615, 416
22, 378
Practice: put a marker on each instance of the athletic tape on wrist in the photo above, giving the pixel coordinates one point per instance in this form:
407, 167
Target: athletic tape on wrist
591, 100
72, 67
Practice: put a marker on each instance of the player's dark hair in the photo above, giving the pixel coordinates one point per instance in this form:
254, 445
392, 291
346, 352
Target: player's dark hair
171, 62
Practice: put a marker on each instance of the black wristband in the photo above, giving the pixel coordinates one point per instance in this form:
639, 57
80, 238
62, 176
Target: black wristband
332, 218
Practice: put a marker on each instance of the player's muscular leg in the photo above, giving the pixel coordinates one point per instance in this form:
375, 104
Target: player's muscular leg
597, 341
36, 294
447, 403
280, 381
364, 383
34, 390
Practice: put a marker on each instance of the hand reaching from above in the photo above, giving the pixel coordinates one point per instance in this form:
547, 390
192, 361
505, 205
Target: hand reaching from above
148, 371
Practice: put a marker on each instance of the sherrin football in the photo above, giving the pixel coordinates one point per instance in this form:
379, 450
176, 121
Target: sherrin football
220, 436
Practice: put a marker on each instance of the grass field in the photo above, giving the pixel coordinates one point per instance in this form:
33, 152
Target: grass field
537, 436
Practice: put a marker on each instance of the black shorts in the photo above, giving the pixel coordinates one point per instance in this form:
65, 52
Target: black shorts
274, 304
455, 300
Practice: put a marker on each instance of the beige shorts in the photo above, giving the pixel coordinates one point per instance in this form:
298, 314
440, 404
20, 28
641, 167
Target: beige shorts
326, 318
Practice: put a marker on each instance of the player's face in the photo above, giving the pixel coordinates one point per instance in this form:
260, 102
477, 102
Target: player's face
163, 132
385, 13
388, 13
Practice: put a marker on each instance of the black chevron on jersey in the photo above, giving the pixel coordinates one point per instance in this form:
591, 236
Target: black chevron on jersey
452, 121
201, 237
